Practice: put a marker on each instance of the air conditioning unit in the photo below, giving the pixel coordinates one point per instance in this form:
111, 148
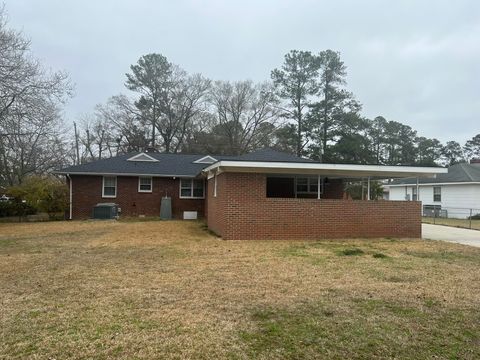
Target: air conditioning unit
434, 211
106, 211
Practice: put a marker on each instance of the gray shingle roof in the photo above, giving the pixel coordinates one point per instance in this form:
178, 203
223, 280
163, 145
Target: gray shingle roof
169, 164
269, 155
456, 173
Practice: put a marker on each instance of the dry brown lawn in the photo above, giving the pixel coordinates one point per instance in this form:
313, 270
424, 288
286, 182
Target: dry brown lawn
147, 290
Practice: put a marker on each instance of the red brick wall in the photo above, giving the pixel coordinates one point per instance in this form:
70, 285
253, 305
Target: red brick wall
215, 205
241, 210
333, 189
87, 192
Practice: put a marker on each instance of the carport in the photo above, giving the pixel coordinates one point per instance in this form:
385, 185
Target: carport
252, 200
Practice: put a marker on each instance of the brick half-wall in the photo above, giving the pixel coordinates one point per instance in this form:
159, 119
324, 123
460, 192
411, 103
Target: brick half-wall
87, 192
241, 210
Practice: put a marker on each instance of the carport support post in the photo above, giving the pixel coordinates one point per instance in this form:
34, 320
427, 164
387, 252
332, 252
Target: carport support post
368, 188
318, 187
363, 187
470, 218
418, 191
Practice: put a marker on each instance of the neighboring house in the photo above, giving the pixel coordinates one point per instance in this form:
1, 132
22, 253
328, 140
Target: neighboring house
262, 195
448, 195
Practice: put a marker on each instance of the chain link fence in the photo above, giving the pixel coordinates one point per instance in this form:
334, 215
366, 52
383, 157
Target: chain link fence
468, 218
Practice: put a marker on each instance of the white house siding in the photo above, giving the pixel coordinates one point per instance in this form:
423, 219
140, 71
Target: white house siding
396, 193
456, 198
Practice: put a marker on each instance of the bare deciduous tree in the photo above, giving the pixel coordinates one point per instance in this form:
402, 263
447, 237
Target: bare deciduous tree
30, 98
115, 127
130, 131
185, 102
97, 137
243, 111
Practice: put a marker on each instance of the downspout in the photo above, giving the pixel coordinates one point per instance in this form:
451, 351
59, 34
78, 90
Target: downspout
70, 197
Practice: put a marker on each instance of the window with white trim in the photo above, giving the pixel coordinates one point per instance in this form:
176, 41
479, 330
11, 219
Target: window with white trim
109, 187
192, 189
307, 185
414, 193
144, 184
437, 193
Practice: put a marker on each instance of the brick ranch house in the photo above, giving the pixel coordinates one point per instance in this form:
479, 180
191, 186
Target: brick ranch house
262, 195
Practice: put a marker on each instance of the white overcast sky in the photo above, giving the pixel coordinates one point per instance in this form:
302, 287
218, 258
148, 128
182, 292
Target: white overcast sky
417, 62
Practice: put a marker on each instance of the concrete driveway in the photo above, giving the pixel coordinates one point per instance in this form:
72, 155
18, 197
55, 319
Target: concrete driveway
451, 234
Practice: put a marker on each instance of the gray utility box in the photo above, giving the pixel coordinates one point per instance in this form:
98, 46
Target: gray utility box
105, 211
166, 208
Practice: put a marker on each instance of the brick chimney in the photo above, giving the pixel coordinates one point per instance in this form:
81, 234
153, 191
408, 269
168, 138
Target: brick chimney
475, 161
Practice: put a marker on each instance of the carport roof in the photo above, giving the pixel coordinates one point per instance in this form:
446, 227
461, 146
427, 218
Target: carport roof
331, 170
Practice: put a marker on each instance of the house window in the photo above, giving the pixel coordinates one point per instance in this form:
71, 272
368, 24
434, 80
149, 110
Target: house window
292, 187
280, 187
109, 188
307, 185
192, 189
437, 193
144, 184
414, 193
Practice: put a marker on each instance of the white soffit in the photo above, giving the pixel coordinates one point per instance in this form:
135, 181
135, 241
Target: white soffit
142, 157
343, 170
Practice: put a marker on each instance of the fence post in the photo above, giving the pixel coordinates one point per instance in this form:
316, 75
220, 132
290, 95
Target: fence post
470, 218
434, 215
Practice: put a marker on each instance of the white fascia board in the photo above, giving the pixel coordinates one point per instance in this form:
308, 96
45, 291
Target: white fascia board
434, 184
327, 169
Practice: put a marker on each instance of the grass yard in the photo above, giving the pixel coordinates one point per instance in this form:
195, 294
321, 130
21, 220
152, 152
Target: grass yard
461, 223
145, 290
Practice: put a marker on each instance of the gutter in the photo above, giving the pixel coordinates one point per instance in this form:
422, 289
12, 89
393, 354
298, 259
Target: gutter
123, 174
70, 196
